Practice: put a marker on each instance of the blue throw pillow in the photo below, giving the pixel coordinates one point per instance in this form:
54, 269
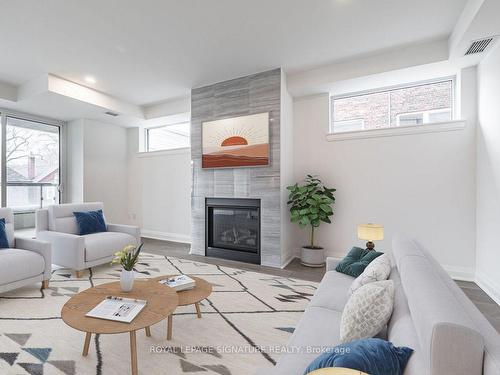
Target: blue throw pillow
4, 241
373, 356
356, 261
90, 222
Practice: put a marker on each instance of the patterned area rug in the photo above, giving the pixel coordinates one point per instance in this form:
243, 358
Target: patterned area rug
247, 319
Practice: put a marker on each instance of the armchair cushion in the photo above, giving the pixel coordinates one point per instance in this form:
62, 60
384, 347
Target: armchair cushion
4, 242
90, 222
105, 244
19, 264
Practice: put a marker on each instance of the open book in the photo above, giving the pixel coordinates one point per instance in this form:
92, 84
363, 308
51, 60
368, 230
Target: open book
119, 309
179, 283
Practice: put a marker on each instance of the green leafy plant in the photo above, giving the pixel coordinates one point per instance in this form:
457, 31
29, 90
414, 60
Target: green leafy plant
311, 204
127, 257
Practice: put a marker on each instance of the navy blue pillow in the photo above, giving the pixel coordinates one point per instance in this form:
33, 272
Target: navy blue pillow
90, 222
373, 356
4, 242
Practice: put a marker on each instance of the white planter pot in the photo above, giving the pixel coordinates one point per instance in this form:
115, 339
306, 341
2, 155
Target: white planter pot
127, 280
312, 257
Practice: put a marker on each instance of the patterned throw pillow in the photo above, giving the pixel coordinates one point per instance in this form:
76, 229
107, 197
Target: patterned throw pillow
378, 270
367, 311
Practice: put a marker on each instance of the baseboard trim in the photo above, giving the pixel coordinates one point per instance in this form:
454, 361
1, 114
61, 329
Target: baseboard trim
460, 273
287, 262
489, 287
174, 237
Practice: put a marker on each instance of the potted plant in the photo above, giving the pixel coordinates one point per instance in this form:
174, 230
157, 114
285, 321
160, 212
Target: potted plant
127, 258
310, 205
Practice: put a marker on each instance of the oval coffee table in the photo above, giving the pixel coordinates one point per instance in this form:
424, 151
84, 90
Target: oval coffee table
187, 297
162, 301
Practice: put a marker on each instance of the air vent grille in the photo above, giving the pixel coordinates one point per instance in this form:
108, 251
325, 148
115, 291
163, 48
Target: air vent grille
478, 46
109, 113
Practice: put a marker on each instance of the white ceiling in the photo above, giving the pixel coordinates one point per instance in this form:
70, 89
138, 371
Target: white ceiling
145, 51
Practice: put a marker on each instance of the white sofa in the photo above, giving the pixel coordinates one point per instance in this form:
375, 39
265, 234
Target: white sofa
25, 262
431, 315
57, 225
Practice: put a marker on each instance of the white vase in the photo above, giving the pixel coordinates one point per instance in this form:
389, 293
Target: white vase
127, 280
312, 257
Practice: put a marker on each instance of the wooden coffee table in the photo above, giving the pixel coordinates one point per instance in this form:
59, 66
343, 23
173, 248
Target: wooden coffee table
188, 297
162, 301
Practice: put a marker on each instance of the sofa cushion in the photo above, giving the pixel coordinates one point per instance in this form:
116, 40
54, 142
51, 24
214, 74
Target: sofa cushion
378, 270
317, 331
61, 218
367, 311
89, 222
400, 329
332, 291
4, 241
356, 261
7, 214
371, 356
18, 264
105, 244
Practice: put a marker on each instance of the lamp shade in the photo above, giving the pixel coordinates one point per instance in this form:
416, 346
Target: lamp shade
370, 232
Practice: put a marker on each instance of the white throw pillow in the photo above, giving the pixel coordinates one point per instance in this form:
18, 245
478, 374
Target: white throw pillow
367, 311
378, 270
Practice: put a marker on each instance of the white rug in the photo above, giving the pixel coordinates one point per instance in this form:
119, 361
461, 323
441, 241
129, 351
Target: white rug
246, 320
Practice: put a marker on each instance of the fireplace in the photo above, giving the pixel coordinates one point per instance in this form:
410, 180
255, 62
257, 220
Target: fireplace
233, 229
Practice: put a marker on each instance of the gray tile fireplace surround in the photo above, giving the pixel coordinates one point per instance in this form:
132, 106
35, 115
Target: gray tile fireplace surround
243, 96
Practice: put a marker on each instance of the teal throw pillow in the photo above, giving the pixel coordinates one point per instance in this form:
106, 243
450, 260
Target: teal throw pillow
356, 261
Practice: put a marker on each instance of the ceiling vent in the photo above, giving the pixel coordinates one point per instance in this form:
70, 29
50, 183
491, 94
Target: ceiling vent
109, 113
479, 46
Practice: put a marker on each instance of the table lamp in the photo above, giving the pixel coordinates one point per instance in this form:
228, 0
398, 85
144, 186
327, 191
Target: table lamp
370, 233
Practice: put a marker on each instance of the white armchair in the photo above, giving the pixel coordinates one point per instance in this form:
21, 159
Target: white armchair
57, 225
25, 262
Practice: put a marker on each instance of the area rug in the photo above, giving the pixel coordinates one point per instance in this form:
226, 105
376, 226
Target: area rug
246, 322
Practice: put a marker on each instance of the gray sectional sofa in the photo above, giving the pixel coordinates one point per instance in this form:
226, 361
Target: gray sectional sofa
431, 315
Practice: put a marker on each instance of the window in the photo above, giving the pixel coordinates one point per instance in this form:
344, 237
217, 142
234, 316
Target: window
410, 105
168, 137
32, 164
349, 125
426, 117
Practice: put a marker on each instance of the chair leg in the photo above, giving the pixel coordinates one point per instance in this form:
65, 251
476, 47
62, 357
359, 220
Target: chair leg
45, 284
79, 274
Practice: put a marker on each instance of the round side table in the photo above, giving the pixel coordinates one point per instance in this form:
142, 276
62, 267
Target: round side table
187, 297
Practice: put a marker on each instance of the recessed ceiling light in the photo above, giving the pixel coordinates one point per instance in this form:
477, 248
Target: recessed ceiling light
90, 79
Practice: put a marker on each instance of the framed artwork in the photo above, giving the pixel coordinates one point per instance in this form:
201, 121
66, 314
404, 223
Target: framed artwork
236, 142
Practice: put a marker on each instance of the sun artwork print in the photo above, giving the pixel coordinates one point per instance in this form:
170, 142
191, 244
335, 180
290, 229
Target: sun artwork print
236, 142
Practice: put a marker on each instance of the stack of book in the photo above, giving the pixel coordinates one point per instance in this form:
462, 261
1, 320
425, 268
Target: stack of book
179, 283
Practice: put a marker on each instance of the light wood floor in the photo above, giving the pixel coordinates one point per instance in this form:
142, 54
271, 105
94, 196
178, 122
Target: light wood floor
295, 270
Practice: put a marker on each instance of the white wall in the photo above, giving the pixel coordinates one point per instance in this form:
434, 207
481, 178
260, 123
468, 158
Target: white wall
287, 172
74, 146
420, 184
488, 174
160, 191
98, 171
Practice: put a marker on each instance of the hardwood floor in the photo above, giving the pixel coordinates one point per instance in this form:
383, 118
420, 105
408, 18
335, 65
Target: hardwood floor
295, 270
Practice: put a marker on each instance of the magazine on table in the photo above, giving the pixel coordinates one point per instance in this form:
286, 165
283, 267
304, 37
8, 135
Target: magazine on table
179, 283
119, 309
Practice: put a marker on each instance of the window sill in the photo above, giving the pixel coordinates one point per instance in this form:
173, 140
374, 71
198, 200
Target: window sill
403, 130
175, 151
